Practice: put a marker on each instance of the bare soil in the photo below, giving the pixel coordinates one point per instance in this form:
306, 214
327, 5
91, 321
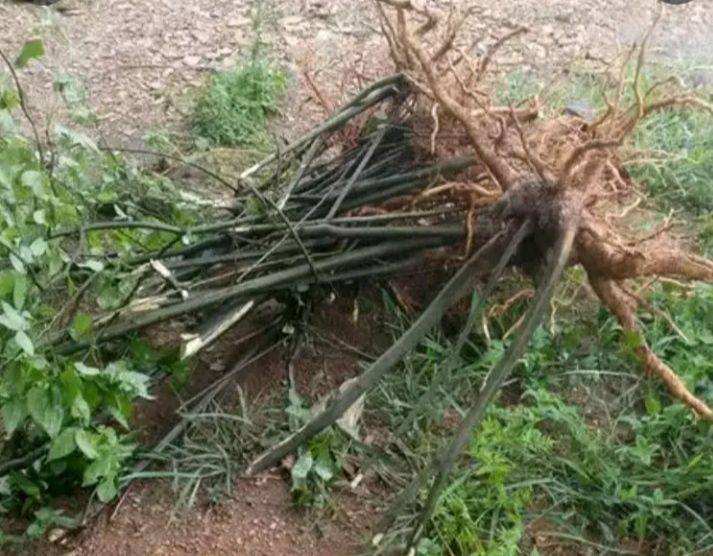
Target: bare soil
141, 58
258, 519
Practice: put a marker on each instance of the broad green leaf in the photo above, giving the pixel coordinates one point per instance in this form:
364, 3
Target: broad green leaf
36, 182
302, 466
38, 247
136, 383
12, 319
96, 470
17, 264
40, 217
63, 445
81, 410
27, 486
106, 490
9, 99
121, 409
19, 293
323, 468
81, 326
93, 264
23, 340
14, 412
7, 283
31, 49
46, 410
85, 369
87, 443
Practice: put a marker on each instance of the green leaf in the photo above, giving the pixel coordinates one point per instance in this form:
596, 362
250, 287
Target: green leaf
652, 404
96, 470
9, 99
135, 383
12, 319
17, 264
324, 469
632, 340
85, 369
23, 340
106, 490
40, 217
93, 264
63, 445
7, 283
81, 326
81, 410
19, 293
46, 410
31, 49
76, 138
121, 409
35, 181
38, 247
14, 412
302, 466
26, 485
87, 443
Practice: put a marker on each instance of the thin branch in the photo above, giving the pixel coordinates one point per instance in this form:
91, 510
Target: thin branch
497, 376
379, 91
23, 105
452, 291
485, 61
378, 138
257, 285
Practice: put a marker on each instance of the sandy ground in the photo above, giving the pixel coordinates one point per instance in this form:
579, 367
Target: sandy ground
140, 58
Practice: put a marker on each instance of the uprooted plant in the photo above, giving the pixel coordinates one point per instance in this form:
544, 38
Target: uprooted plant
436, 165
542, 191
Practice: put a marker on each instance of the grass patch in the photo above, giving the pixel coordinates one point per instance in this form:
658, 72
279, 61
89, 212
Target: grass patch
580, 450
234, 107
680, 166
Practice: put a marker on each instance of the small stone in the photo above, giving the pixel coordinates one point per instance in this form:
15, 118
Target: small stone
200, 36
291, 20
56, 535
581, 109
192, 61
238, 22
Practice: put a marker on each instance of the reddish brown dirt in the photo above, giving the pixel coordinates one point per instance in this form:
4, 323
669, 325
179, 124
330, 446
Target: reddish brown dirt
137, 59
259, 519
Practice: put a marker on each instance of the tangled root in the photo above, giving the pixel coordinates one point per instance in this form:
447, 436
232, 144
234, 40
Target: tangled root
543, 171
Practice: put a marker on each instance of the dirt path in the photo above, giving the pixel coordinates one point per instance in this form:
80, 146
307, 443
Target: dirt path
138, 57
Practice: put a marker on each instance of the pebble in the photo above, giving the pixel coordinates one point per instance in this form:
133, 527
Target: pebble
192, 61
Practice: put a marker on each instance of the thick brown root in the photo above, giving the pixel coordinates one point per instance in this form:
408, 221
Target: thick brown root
617, 302
605, 255
542, 170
